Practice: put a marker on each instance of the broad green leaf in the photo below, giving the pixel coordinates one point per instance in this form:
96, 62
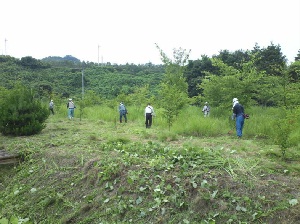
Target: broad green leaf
14, 220
240, 208
186, 221
3, 221
139, 200
293, 202
203, 183
142, 188
194, 185
33, 190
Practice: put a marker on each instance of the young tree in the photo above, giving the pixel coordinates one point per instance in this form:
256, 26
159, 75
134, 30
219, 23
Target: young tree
173, 91
289, 92
21, 113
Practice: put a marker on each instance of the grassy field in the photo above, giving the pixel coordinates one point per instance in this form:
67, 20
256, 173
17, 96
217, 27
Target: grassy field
97, 170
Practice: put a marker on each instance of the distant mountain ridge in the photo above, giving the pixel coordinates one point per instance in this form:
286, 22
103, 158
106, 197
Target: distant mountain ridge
59, 59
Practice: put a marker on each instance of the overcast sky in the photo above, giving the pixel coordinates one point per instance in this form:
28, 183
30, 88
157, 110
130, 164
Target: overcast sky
125, 31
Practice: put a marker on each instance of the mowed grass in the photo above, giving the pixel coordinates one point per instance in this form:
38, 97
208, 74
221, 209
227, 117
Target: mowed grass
97, 170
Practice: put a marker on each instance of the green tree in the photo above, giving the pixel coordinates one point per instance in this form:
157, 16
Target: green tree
173, 90
294, 71
289, 92
220, 89
3, 94
234, 59
32, 63
268, 91
21, 113
241, 83
141, 96
195, 73
270, 59
297, 58
92, 99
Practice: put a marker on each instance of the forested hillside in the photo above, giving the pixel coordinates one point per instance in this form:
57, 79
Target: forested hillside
66, 78
262, 76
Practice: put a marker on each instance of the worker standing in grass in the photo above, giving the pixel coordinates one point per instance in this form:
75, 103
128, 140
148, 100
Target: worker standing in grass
71, 106
51, 107
149, 113
206, 109
238, 115
123, 112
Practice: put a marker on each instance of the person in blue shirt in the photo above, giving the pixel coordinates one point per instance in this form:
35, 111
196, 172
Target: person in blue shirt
238, 115
123, 112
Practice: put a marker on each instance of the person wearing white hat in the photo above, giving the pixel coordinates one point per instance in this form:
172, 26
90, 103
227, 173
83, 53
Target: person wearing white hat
206, 109
234, 101
238, 115
71, 106
51, 107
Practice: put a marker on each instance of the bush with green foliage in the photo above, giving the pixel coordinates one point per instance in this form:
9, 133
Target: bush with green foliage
21, 113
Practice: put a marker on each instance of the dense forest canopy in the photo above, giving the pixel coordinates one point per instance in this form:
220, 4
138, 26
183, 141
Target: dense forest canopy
260, 75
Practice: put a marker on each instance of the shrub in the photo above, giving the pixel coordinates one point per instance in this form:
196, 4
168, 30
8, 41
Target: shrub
21, 113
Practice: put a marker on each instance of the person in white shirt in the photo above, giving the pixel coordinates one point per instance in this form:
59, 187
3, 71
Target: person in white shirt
149, 112
206, 109
51, 107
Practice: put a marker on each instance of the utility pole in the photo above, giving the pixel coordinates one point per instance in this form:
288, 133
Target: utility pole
82, 81
98, 54
5, 46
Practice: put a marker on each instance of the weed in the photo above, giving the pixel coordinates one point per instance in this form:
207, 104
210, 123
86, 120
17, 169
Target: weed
94, 172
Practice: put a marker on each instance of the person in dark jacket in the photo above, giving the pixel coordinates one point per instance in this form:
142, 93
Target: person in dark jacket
238, 115
123, 112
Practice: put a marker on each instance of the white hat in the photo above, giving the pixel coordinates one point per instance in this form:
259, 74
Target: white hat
70, 99
234, 100
205, 102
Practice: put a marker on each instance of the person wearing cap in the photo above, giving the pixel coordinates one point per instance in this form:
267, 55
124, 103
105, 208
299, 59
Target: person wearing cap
71, 106
51, 107
206, 109
149, 113
238, 115
123, 112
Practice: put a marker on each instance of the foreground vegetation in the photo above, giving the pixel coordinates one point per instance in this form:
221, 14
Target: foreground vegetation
186, 169
96, 170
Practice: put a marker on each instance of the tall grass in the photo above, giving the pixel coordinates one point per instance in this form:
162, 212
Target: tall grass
192, 122
263, 122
